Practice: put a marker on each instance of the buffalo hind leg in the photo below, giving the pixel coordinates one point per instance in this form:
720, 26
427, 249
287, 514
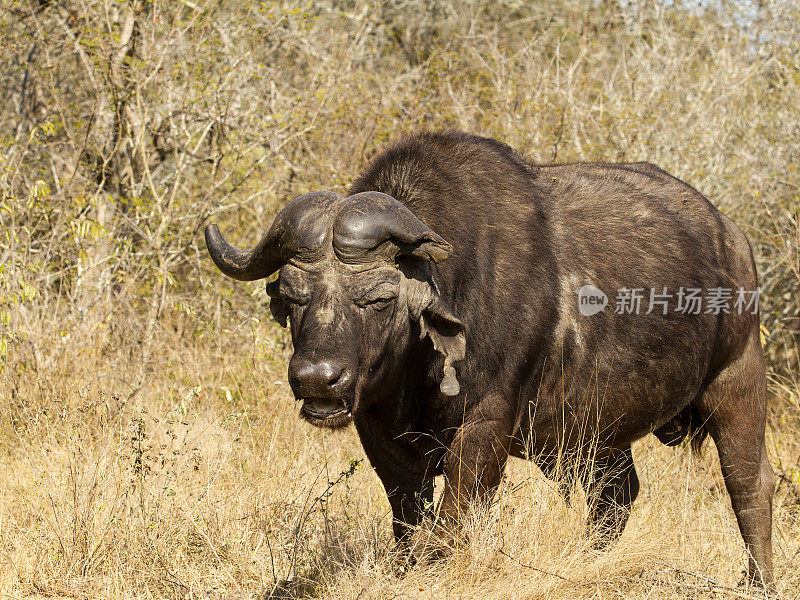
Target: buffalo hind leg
611, 487
734, 408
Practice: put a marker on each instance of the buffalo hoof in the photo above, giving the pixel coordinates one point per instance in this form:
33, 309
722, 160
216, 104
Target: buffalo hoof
748, 583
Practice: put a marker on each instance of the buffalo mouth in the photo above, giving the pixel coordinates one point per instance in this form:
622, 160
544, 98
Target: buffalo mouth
326, 412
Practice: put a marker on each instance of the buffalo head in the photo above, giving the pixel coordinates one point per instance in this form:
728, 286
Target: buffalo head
355, 284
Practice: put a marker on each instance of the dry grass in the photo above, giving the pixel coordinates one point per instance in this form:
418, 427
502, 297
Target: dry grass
202, 487
149, 444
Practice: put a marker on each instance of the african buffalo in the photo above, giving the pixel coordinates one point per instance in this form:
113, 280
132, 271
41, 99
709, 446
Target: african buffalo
461, 305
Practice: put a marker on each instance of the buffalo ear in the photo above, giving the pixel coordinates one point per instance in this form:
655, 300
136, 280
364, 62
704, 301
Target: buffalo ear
277, 305
444, 329
447, 334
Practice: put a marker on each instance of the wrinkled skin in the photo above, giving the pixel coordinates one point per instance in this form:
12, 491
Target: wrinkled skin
436, 308
331, 307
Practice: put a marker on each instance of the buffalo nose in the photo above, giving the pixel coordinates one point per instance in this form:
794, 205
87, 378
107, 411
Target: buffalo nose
313, 379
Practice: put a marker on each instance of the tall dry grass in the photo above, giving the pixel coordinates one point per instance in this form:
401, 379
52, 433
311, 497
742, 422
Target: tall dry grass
149, 444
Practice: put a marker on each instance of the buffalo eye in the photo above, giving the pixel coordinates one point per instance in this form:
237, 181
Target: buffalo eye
379, 304
294, 297
378, 297
282, 290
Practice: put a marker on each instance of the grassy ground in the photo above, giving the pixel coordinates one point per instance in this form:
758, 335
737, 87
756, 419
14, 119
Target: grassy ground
205, 483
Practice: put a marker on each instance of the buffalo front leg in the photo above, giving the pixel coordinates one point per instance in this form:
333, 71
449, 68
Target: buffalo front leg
410, 498
612, 486
474, 462
410, 504
409, 490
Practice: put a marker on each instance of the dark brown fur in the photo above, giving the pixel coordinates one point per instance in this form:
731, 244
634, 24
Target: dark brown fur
448, 367
543, 381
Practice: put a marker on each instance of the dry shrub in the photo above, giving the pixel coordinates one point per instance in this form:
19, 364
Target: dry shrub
150, 447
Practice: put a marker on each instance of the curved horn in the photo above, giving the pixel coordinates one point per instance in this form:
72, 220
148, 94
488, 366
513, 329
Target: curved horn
297, 228
373, 222
244, 265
